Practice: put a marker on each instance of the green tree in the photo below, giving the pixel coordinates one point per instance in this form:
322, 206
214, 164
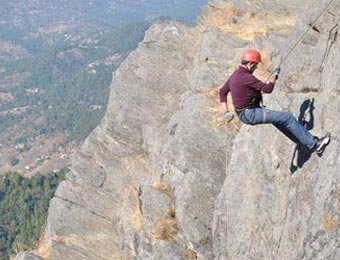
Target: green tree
23, 209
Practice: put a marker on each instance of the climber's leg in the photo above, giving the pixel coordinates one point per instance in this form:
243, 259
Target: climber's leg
284, 121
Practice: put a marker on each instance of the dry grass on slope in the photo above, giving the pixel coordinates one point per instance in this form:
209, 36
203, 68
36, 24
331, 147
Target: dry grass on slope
166, 226
245, 25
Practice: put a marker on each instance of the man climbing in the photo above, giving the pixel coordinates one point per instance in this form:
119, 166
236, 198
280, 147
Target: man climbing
246, 92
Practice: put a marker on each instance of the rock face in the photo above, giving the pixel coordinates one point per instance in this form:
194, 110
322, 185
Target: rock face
163, 177
27, 256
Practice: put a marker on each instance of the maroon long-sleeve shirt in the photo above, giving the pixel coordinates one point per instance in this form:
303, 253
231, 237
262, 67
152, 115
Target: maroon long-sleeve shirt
244, 86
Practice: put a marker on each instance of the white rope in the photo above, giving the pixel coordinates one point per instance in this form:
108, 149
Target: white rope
303, 35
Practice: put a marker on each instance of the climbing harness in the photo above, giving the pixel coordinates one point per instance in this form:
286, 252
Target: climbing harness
257, 102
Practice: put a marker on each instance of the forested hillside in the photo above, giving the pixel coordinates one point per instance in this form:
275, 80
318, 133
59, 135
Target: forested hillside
23, 209
56, 62
67, 82
58, 90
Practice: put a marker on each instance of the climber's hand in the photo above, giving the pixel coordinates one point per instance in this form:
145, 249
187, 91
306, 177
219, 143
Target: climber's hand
227, 115
276, 73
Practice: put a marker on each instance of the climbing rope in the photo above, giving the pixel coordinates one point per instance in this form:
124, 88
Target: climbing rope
312, 25
302, 36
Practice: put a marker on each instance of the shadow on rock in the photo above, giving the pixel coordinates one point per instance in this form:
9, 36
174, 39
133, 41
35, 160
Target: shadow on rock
302, 154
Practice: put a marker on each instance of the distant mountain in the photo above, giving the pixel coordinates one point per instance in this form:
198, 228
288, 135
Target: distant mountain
31, 23
49, 17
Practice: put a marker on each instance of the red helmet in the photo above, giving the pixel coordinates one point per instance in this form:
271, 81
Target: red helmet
251, 55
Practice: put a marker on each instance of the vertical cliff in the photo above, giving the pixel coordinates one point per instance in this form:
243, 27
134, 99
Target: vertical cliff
277, 202
163, 177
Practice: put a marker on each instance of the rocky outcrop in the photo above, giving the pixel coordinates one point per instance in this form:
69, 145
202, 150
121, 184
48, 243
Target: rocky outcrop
163, 177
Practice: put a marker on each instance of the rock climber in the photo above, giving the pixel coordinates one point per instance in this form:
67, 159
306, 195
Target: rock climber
246, 92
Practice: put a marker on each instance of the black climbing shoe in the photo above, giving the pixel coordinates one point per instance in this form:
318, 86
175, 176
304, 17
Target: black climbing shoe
322, 143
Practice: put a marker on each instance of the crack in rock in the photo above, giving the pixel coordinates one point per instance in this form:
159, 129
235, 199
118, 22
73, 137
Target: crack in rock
333, 34
140, 193
82, 206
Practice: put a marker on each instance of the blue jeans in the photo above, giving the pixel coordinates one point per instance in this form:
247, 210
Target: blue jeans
283, 121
